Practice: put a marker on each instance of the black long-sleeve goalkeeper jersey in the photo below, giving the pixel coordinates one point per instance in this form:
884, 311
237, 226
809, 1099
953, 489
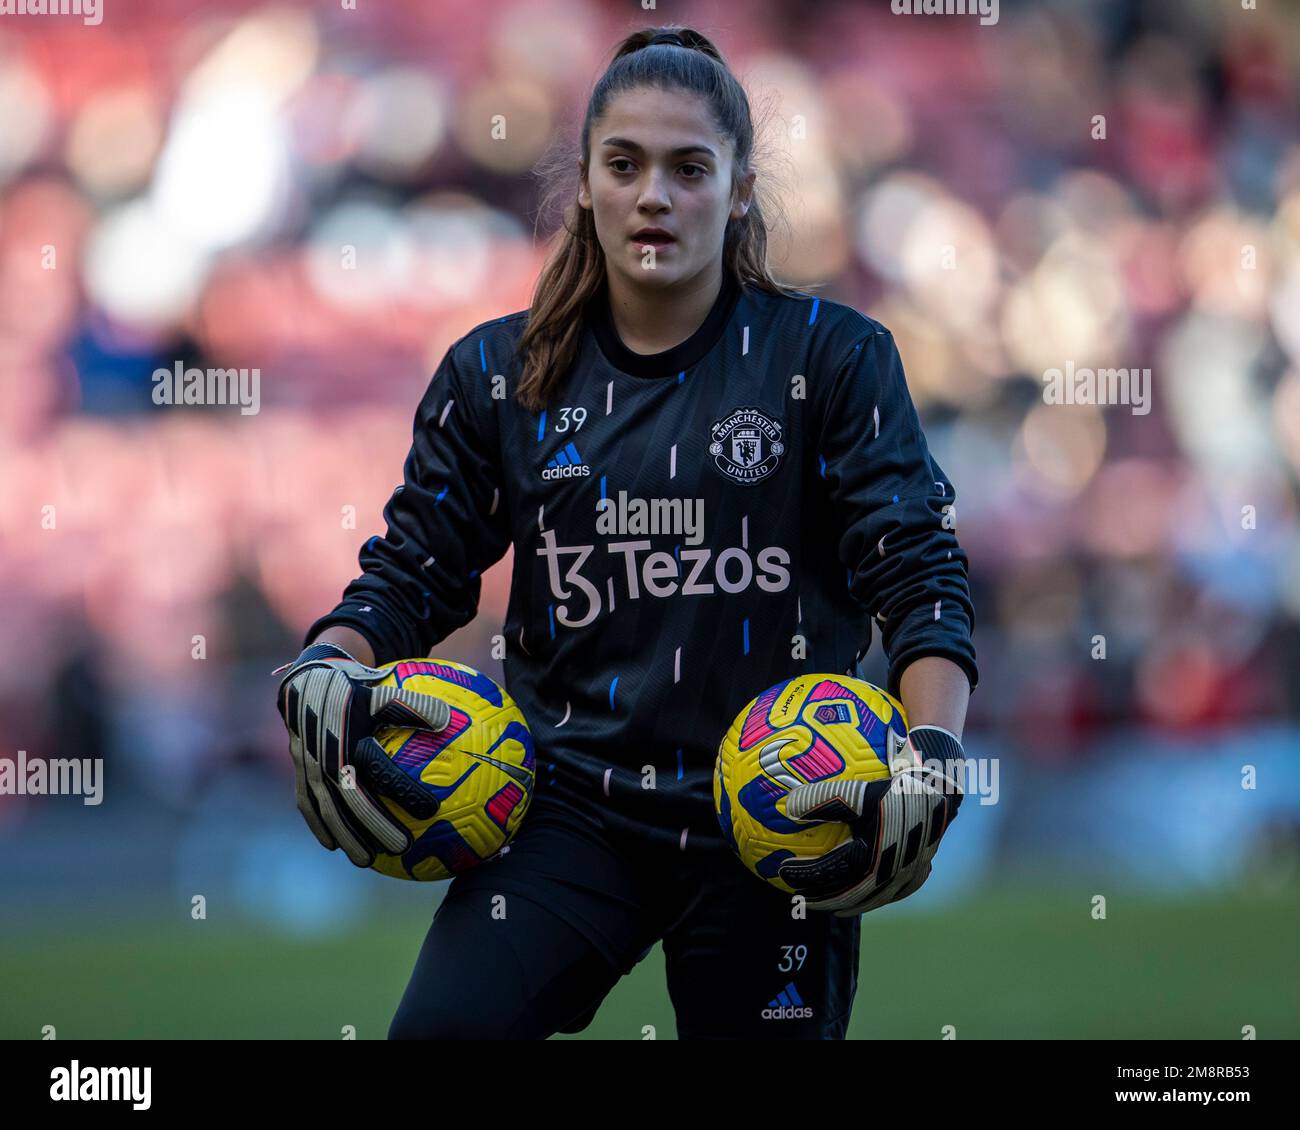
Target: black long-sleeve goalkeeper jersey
689, 528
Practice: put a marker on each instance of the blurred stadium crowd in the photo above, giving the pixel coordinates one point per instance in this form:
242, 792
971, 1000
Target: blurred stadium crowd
317, 192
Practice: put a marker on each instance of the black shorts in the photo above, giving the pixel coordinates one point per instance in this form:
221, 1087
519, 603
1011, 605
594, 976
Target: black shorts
529, 944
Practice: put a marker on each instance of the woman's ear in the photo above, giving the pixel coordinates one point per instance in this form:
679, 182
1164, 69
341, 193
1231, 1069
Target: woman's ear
743, 196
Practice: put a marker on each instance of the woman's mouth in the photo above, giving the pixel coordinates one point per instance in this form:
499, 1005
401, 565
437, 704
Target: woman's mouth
654, 239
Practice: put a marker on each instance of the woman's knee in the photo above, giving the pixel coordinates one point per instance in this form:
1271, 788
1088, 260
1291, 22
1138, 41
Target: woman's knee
443, 1018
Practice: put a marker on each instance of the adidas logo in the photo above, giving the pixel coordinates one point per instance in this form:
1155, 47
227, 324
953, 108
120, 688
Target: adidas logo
567, 464
786, 1005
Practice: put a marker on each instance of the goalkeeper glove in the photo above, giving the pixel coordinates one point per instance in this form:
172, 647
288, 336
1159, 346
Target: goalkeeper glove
897, 825
332, 706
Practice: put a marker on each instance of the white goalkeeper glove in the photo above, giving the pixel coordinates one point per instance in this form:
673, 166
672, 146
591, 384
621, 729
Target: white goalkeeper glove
332, 707
897, 825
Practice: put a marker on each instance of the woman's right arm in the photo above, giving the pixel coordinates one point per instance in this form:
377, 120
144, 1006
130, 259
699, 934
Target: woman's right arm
447, 523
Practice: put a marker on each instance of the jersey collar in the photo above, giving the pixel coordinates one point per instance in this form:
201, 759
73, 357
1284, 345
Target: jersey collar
672, 361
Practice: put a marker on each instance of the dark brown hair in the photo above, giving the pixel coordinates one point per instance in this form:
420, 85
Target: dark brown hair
670, 58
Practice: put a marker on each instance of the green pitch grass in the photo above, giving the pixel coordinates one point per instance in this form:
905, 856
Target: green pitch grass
1008, 966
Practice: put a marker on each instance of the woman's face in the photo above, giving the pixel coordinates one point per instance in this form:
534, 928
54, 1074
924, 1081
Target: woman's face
657, 161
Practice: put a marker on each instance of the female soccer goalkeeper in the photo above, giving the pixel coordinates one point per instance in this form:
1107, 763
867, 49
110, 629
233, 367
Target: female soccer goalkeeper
659, 361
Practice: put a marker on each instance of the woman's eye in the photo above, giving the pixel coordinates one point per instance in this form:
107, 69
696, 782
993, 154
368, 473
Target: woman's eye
694, 172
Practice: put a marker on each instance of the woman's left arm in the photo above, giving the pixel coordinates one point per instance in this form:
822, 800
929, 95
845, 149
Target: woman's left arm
906, 568
935, 692
897, 524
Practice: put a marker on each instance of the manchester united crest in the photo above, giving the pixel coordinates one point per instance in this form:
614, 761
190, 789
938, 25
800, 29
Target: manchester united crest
746, 446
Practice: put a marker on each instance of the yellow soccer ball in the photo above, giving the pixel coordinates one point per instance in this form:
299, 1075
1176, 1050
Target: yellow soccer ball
809, 728
481, 767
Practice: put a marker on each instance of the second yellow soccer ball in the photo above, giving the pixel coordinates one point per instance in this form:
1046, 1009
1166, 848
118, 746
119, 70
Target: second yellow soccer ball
809, 728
